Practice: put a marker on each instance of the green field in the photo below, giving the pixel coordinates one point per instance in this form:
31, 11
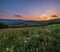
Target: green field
30, 39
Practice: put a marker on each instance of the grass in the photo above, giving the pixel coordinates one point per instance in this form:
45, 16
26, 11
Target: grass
30, 39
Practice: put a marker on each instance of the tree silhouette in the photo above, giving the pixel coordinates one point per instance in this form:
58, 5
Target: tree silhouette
2, 25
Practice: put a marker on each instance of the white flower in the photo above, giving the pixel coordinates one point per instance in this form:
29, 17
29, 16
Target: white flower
25, 41
7, 49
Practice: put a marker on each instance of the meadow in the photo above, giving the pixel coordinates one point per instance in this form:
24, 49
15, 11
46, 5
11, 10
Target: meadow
30, 39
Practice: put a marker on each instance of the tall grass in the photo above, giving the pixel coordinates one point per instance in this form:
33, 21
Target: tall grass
34, 39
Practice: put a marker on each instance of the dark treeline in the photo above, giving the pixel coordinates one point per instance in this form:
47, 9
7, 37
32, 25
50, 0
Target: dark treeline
3, 25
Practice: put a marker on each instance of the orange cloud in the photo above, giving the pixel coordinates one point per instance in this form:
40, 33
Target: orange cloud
51, 14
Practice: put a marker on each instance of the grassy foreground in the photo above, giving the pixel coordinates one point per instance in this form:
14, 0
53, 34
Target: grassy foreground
32, 39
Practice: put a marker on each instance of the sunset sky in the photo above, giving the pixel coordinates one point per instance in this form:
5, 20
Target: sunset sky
17, 9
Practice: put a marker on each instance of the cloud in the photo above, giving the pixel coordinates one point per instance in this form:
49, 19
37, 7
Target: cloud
16, 15
2, 11
51, 14
8, 15
54, 16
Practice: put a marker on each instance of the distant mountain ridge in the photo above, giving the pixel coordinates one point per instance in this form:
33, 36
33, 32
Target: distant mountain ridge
18, 22
10, 21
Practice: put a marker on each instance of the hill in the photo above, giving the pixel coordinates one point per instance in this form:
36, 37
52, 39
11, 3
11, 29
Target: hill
28, 23
33, 39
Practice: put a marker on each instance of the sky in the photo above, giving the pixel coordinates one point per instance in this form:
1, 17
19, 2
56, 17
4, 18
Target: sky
27, 8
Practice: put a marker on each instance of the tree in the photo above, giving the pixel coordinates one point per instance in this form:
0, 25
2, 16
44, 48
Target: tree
3, 25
